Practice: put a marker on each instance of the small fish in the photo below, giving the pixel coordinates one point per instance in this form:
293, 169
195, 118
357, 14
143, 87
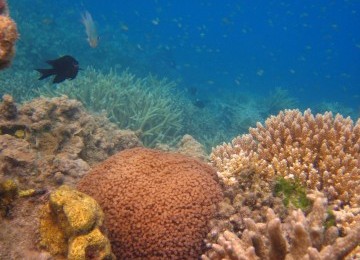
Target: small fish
65, 67
90, 28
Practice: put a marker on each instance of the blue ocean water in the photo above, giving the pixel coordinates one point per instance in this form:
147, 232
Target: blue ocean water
213, 50
311, 48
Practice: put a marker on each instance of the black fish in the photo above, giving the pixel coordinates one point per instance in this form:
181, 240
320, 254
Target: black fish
65, 67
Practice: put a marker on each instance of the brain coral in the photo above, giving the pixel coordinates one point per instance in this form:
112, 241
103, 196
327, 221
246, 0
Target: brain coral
156, 204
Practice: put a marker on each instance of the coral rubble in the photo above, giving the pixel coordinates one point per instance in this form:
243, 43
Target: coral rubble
70, 225
8, 36
157, 204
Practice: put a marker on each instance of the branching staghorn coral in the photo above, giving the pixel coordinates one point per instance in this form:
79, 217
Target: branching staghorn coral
321, 151
278, 99
146, 106
299, 237
20, 84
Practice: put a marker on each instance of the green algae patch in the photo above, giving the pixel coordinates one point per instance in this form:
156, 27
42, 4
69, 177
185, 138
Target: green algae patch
292, 193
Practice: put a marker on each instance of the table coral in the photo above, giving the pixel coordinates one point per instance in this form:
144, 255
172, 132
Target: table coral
69, 226
157, 204
321, 151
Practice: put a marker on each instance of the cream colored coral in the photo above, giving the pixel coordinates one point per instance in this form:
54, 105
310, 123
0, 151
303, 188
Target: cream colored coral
321, 151
299, 237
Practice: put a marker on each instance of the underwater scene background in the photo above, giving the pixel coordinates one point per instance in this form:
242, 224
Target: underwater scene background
228, 65
179, 130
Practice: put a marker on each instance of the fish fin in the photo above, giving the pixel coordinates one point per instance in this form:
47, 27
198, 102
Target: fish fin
53, 63
59, 78
45, 73
59, 61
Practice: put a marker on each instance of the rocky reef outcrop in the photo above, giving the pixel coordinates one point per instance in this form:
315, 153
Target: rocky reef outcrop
45, 143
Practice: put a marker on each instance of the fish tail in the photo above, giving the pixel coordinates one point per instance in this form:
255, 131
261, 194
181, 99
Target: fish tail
45, 73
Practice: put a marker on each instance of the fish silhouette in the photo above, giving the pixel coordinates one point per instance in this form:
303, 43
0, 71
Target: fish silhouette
63, 68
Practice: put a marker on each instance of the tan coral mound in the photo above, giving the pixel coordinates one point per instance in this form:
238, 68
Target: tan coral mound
321, 151
8, 37
156, 204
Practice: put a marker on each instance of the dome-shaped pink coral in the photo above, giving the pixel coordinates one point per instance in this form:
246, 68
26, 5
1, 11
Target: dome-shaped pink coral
156, 204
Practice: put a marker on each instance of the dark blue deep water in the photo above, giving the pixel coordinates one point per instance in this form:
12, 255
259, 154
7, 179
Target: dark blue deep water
309, 50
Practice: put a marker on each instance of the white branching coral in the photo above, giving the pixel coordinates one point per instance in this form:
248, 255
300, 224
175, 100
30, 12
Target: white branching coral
321, 151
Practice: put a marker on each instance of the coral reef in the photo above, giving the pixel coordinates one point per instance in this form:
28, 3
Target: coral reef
321, 152
298, 237
146, 106
52, 141
189, 146
9, 192
8, 36
43, 144
157, 204
70, 225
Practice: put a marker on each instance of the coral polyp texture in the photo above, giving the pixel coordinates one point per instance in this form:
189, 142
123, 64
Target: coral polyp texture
8, 36
320, 151
70, 226
156, 204
299, 237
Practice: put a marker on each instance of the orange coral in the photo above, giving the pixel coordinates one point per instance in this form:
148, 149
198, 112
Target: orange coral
156, 204
321, 151
8, 36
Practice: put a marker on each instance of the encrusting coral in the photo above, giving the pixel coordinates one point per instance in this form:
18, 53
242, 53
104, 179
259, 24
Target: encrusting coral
54, 141
8, 36
70, 225
9, 192
157, 204
321, 152
299, 237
